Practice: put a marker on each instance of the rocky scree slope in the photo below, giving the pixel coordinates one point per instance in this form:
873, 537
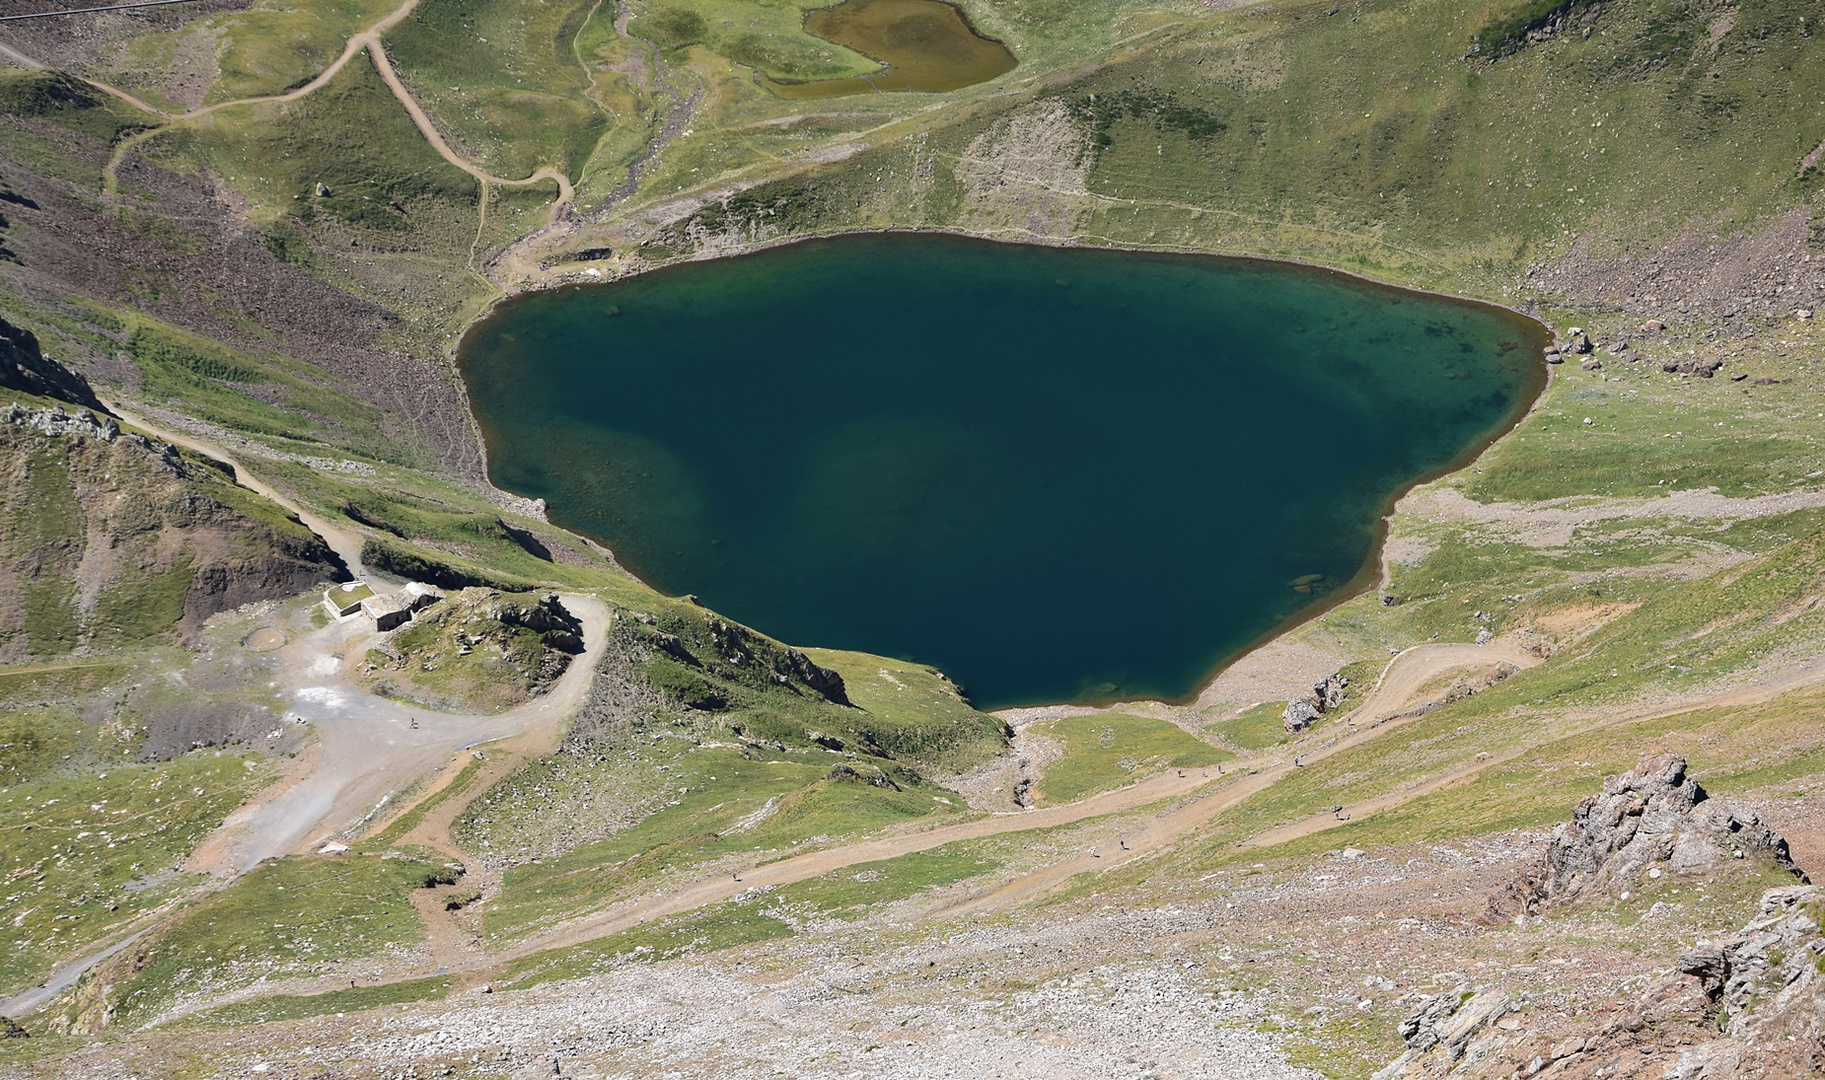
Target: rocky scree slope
1752, 1004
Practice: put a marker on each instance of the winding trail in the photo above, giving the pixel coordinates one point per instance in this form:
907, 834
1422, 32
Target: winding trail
368, 40
344, 543
369, 749
1198, 795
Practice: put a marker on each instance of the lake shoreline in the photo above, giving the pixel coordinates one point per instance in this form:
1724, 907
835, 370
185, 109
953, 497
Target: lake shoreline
1366, 578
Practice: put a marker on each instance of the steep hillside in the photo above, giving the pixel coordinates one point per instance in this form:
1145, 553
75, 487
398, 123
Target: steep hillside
114, 539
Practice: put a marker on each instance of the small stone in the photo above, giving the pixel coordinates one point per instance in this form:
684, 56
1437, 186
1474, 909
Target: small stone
1592, 365
323, 190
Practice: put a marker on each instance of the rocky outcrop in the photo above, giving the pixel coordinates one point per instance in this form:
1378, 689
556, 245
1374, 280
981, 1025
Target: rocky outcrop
1299, 715
1647, 822
1302, 713
865, 775
1704, 367
55, 422
1764, 988
563, 631
1750, 1005
1451, 1030
25, 368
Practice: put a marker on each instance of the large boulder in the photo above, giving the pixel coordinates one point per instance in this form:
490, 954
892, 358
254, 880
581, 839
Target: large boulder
26, 369
1650, 821
1299, 715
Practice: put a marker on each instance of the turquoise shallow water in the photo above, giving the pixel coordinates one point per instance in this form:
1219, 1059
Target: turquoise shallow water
1055, 474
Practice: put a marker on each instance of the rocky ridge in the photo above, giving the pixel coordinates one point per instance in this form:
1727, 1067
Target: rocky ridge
1750, 1004
1652, 821
24, 367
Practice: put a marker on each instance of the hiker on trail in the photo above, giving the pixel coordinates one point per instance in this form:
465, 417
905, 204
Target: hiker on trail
1124, 844
1093, 854
415, 723
736, 874
1296, 763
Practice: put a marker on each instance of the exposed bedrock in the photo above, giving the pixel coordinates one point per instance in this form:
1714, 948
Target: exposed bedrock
1654, 820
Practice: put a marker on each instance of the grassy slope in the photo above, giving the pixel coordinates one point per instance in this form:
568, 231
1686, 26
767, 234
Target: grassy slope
1109, 750
300, 916
520, 102
88, 850
1361, 139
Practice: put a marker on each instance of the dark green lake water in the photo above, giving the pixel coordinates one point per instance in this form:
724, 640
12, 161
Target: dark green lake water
1055, 474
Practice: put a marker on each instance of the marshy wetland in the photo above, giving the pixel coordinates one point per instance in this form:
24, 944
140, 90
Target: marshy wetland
1057, 474
922, 45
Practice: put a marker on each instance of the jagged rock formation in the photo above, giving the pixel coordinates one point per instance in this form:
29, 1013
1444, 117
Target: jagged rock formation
1650, 821
1752, 1004
1764, 988
54, 421
1302, 713
1450, 1031
26, 369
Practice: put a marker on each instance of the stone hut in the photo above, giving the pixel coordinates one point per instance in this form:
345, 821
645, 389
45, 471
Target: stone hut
386, 611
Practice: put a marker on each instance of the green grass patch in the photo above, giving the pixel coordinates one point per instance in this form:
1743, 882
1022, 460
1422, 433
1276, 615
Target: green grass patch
84, 852
139, 607
521, 101
1108, 750
766, 916
353, 137
67, 101
46, 684
289, 915
1254, 728
724, 926
266, 1010
725, 803
915, 712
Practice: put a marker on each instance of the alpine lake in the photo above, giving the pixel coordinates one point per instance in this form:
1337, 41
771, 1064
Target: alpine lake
1058, 475
922, 45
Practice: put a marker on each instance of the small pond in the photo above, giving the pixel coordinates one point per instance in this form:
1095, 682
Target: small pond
1057, 474
923, 45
